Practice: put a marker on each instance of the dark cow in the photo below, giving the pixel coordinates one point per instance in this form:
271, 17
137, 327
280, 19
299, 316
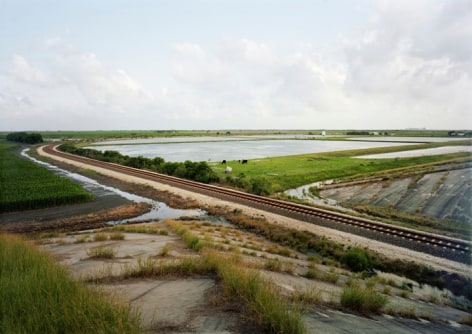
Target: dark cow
223, 162
244, 162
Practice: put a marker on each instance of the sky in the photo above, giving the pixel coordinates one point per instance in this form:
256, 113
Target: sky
235, 64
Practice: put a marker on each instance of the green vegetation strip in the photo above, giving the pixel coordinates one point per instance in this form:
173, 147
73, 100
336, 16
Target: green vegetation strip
38, 296
276, 174
25, 185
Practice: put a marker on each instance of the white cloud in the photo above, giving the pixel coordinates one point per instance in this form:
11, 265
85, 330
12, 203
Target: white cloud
405, 62
24, 71
410, 65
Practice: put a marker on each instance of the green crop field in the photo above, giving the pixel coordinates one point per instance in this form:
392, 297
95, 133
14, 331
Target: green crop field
25, 185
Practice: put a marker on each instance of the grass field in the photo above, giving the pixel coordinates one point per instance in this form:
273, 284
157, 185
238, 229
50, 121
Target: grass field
288, 172
25, 185
38, 296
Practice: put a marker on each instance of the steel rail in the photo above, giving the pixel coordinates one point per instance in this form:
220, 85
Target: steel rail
455, 249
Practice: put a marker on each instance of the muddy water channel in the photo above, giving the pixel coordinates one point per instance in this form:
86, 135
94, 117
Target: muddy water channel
159, 210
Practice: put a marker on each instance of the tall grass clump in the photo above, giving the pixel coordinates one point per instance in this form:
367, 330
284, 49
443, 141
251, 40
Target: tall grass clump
192, 241
262, 300
101, 252
362, 300
38, 296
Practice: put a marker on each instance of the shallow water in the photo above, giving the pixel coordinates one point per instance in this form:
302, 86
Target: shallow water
159, 210
418, 153
215, 151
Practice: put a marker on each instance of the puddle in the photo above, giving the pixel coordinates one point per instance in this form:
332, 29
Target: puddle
304, 193
159, 210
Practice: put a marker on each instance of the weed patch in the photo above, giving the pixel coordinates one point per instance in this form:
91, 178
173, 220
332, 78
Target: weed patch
364, 301
38, 296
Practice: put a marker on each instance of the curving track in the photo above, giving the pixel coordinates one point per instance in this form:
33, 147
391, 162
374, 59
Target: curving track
454, 249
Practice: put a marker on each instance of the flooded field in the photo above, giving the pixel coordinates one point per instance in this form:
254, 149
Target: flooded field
208, 148
417, 153
236, 149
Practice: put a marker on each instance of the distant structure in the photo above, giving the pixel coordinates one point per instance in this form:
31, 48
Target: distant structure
459, 134
323, 133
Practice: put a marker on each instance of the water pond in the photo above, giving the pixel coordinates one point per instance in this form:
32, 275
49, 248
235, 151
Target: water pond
237, 149
417, 153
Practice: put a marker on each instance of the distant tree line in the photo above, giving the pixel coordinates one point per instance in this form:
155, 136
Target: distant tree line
358, 133
196, 171
366, 133
24, 137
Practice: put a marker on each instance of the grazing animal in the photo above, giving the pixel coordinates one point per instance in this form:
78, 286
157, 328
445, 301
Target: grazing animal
228, 169
223, 162
244, 162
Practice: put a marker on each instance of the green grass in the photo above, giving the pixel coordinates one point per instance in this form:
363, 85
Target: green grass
139, 228
38, 296
282, 173
362, 300
25, 185
264, 303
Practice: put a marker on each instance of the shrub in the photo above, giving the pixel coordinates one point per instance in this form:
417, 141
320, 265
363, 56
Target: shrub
100, 237
363, 300
312, 273
357, 259
117, 236
273, 265
101, 253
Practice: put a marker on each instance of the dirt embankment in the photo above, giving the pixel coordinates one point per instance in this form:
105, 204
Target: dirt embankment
77, 223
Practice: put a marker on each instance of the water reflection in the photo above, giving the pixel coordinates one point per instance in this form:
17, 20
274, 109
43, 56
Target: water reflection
159, 210
237, 150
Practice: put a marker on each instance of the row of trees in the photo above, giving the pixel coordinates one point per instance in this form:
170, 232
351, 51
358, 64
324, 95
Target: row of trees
197, 171
24, 137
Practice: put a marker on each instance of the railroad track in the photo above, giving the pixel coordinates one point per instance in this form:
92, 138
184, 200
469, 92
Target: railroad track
451, 248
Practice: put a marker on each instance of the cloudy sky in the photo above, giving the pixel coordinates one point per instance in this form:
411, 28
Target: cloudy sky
235, 64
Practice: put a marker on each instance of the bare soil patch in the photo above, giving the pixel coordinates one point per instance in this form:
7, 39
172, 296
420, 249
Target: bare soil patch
76, 222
